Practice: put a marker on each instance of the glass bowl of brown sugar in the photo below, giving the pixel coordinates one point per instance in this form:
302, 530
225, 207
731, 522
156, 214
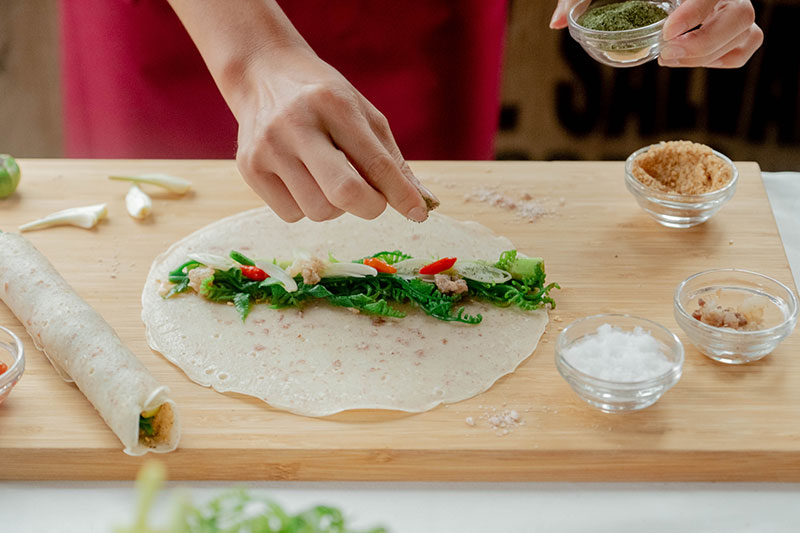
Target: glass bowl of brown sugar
680, 183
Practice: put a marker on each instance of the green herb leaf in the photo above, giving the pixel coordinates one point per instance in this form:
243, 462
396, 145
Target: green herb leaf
181, 286
146, 425
242, 303
241, 258
390, 258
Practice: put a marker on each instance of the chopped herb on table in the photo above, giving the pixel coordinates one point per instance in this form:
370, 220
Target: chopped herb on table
369, 285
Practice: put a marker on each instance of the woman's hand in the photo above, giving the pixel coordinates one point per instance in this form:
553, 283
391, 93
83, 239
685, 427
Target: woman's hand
311, 145
727, 37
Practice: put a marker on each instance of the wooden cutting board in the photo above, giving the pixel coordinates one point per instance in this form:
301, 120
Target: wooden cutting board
720, 423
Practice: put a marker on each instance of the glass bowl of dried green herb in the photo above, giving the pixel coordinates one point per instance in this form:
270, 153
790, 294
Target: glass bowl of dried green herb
620, 34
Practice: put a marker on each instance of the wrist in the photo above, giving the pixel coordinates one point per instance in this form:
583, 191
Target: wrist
245, 76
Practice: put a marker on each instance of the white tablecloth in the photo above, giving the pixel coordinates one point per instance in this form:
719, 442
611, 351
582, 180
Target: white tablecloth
467, 507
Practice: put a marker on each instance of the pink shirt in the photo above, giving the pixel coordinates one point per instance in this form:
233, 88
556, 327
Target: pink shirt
134, 86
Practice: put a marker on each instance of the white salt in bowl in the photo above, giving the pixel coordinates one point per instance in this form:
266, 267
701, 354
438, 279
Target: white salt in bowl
619, 377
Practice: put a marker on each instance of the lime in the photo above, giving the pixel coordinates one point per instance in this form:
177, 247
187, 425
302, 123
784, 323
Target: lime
9, 175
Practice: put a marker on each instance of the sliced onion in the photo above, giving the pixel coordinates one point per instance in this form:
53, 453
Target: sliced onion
220, 262
410, 267
348, 270
274, 271
84, 217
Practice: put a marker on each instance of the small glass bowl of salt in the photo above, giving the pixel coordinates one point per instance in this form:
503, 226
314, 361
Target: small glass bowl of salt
618, 362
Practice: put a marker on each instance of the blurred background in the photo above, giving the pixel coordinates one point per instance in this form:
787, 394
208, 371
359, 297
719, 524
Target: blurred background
557, 103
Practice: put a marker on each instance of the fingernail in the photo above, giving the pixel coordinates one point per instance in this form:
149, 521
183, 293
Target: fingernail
673, 52
426, 191
418, 214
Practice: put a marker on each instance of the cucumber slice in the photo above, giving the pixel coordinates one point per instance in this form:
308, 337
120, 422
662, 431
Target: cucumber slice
482, 272
525, 267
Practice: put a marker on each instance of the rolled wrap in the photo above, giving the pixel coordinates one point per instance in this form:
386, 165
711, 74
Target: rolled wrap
84, 348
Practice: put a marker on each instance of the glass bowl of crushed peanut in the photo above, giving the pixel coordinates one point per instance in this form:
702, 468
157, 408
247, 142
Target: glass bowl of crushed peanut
735, 316
680, 183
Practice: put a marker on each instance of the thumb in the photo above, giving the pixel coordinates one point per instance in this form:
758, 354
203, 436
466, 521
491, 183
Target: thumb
559, 19
689, 14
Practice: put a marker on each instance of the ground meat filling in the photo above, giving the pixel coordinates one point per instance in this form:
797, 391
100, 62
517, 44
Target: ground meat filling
449, 285
197, 275
311, 270
747, 317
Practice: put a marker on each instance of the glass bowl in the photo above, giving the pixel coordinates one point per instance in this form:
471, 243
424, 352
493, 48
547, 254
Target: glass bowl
626, 48
619, 396
679, 210
728, 345
12, 353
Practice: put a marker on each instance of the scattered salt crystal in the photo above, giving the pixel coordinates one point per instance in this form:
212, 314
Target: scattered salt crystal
616, 355
469, 421
557, 318
527, 208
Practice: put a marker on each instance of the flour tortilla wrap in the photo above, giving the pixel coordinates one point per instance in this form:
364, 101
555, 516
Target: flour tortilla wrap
323, 359
84, 348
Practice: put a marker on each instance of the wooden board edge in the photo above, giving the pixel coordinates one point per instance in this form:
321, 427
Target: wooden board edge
410, 465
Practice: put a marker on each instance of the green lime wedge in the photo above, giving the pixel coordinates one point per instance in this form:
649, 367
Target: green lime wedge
9, 175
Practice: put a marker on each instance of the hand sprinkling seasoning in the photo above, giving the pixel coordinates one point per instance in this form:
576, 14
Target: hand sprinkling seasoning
613, 354
622, 16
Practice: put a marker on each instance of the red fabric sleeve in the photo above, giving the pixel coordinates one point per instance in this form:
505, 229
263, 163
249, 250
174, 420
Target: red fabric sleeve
134, 86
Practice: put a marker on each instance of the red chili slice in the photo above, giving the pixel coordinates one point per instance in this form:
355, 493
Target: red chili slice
380, 265
254, 273
3, 368
441, 265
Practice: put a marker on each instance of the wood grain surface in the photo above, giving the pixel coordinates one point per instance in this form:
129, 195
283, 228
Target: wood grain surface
720, 423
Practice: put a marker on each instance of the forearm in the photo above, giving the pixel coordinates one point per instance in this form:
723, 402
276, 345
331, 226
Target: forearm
232, 35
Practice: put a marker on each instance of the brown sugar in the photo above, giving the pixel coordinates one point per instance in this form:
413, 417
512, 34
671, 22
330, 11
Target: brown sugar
681, 167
